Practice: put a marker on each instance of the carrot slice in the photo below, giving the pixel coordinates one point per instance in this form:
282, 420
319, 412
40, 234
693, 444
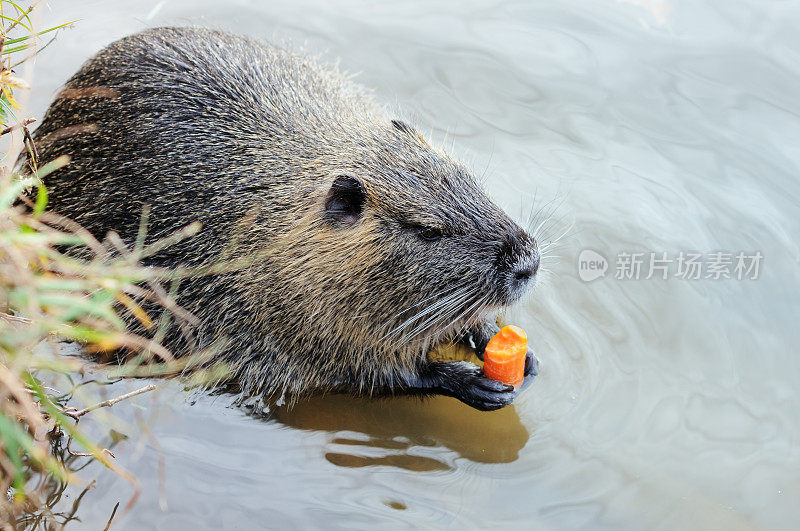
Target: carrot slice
504, 359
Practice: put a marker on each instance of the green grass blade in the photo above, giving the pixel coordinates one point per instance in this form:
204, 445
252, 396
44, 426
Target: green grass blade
23, 12
15, 21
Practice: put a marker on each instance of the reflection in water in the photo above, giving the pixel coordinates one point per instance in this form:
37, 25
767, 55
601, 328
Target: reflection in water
56, 505
399, 425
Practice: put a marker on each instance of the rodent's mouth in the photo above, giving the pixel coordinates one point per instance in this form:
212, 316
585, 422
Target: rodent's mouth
476, 310
464, 304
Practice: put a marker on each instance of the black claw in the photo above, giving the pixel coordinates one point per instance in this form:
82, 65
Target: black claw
468, 383
489, 403
489, 406
493, 385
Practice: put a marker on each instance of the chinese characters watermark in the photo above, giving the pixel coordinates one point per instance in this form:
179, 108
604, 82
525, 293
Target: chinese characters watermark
684, 265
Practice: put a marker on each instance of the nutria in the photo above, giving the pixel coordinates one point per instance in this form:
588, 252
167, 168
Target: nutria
369, 246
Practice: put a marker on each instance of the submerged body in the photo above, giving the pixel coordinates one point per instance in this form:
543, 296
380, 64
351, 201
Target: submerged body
356, 246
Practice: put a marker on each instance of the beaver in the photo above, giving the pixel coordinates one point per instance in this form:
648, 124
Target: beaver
367, 246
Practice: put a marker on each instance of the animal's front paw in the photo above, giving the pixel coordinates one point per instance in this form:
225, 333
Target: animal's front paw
531, 364
467, 383
531, 370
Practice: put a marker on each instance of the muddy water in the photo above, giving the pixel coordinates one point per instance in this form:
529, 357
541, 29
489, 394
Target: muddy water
645, 126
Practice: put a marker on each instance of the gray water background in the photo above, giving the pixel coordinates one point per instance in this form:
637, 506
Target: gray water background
652, 126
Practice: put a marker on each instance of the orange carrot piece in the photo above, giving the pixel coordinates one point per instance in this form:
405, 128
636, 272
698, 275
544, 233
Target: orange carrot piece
504, 359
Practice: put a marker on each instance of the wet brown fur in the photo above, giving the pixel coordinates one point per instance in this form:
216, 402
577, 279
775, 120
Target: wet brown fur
249, 139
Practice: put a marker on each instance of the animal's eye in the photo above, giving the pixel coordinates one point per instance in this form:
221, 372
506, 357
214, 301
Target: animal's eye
429, 234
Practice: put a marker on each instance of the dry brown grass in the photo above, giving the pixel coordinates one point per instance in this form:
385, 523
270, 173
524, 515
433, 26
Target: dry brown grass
59, 283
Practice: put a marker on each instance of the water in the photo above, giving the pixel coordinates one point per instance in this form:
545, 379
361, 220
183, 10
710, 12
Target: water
652, 126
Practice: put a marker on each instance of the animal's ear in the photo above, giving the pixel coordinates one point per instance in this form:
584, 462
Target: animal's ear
345, 200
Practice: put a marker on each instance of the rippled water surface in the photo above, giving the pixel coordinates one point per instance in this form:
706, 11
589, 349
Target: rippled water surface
645, 126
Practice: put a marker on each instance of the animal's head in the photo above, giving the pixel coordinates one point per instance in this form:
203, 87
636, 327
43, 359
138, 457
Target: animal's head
400, 247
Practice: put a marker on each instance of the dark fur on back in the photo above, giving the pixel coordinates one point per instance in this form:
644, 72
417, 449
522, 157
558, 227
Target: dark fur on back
367, 245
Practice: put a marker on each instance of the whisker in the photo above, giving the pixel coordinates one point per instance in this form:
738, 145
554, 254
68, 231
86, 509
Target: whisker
479, 302
564, 233
435, 295
452, 303
454, 293
545, 210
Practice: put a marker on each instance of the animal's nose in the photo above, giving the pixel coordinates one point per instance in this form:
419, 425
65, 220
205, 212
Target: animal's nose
518, 263
523, 274
526, 269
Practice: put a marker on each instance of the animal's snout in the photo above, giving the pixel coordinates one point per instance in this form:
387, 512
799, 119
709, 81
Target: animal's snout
524, 274
518, 263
